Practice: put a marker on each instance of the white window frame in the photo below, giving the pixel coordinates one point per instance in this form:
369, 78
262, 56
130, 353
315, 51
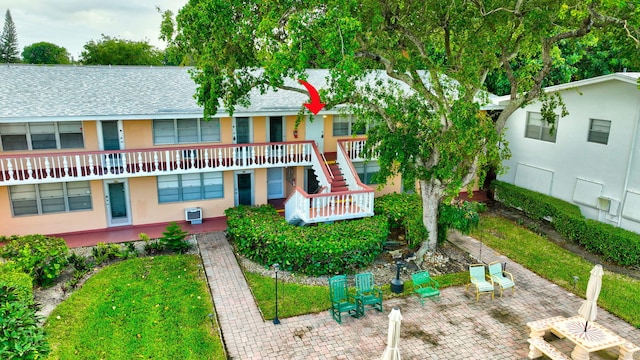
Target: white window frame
597, 129
201, 135
538, 129
28, 131
38, 194
203, 180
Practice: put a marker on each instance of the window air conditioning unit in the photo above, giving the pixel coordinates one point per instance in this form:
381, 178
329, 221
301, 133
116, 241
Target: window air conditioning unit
193, 215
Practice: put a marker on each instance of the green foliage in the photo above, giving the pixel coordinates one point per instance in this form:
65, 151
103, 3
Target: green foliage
262, 235
174, 239
21, 337
42, 257
114, 51
9, 41
103, 252
462, 216
149, 307
21, 283
45, 53
405, 211
613, 243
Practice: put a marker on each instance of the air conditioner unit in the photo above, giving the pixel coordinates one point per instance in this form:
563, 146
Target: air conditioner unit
193, 215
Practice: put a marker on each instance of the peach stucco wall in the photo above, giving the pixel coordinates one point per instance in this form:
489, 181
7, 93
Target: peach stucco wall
57, 222
138, 134
145, 208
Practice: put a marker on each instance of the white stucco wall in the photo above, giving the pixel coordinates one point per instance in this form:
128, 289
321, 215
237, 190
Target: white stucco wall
574, 169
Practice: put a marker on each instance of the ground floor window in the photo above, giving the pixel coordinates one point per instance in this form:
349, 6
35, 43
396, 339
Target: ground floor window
50, 198
188, 187
368, 172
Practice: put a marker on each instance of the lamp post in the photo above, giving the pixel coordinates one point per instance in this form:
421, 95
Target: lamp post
276, 321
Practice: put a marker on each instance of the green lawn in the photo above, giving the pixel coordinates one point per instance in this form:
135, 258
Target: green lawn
295, 299
619, 294
150, 307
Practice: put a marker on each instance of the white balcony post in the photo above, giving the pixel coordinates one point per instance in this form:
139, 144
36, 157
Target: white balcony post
29, 169
91, 164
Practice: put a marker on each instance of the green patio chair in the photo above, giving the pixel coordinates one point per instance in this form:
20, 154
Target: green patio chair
367, 293
482, 282
425, 286
341, 300
498, 277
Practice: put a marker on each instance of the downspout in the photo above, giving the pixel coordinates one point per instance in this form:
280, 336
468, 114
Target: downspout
633, 150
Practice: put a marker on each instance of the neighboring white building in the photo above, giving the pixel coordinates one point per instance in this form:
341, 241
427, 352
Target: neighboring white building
593, 157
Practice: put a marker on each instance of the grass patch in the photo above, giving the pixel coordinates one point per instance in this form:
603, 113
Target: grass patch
151, 307
619, 294
296, 299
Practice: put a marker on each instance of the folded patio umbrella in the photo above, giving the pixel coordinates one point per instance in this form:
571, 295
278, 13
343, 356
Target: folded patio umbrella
391, 352
589, 308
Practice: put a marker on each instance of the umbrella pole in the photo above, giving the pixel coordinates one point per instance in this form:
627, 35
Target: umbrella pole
585, 325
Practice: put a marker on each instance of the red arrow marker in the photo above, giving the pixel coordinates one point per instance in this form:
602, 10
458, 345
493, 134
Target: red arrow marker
315, 106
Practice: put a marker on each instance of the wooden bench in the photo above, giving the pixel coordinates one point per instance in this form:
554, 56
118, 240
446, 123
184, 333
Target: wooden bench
538, 347
425, 286
539, 327
627, 350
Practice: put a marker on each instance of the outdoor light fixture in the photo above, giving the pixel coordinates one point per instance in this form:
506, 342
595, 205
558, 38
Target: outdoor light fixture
397, 285
276, 321
575, 281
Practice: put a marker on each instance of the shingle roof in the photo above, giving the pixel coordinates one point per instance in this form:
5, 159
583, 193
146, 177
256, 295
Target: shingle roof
63, 92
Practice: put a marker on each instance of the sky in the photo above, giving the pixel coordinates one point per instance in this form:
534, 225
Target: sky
73, 23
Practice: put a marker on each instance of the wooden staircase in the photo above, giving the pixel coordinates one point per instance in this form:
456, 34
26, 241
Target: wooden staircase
338, 184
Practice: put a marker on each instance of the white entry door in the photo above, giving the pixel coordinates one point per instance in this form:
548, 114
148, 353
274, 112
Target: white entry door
315, 131
275, 183
116, 199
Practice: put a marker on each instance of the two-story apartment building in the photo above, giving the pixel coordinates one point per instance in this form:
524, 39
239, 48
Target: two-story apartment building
87, 148
590, 157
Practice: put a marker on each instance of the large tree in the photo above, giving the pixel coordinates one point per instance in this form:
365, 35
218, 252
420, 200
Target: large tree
114, 51
9, 41
45, 53
425, 122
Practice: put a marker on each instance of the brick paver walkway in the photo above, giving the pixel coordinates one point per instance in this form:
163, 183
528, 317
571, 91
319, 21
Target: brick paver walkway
457, 327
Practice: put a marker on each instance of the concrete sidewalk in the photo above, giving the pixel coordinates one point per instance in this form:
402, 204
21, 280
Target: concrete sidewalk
457, 327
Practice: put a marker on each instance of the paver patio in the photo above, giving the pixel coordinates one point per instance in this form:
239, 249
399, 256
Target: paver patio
457, 327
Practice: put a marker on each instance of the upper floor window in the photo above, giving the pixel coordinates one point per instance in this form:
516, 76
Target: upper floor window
599, 131
41, 135
346, 125
50, 198
181, 131
188, 187
540, 129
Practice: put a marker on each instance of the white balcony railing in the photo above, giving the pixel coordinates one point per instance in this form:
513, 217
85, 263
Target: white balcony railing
96, 165
305, 208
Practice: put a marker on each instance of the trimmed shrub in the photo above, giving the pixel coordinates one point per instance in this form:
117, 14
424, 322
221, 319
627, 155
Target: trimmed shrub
42, 257
173, 239
22, 283
613, 243
262, 235
21, 338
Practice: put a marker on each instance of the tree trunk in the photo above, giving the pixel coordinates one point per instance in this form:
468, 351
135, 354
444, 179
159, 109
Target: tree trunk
431, 193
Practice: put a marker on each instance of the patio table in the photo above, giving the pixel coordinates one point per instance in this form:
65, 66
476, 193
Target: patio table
596, 338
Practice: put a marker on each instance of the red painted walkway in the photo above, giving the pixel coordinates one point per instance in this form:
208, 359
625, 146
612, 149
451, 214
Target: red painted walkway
131, 233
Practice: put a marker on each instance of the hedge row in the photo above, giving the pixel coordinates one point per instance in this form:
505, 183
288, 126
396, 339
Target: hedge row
262, 235
20, 282
613, 243
42, 257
